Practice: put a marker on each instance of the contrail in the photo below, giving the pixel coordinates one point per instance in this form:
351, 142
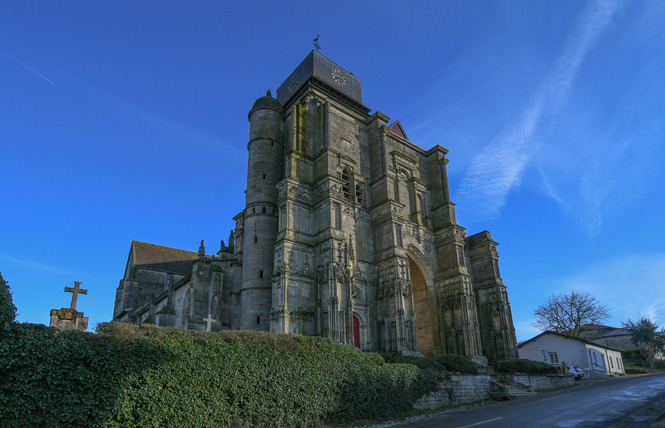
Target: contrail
500, 166
29, 69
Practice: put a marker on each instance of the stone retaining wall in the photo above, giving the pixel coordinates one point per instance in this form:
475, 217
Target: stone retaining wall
543, 382
466, 389
458, 389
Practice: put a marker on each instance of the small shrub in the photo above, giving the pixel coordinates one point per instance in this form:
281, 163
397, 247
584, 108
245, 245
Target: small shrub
422, 363
631, 354
526, 366
458, 363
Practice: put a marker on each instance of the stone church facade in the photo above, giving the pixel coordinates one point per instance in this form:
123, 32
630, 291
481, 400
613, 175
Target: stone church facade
348, 232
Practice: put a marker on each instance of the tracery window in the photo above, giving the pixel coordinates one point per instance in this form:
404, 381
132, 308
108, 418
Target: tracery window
346, 183
360, 193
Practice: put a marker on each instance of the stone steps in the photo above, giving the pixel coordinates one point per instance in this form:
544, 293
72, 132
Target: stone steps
501, 391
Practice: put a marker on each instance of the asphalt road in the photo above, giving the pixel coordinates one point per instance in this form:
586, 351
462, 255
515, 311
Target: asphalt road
631, 401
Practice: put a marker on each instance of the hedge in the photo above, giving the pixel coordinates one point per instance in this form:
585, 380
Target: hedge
128, 375
425, 363
7, 308
458, 363
527, 366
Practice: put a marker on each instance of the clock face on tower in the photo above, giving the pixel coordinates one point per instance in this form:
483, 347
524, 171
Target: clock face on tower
338, 77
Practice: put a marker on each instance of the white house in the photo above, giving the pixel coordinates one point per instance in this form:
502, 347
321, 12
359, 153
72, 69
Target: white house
555, 348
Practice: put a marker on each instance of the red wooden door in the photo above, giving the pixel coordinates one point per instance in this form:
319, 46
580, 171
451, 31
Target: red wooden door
356, 332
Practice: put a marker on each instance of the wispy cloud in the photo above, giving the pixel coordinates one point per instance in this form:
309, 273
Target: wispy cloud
631, 285
186, 133
618, 129
31, 264
32, 70
499, 168
102, 96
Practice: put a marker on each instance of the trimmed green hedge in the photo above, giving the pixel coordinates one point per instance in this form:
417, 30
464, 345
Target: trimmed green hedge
149, 376
458, 363
633, 356
424, 363
7, 308
636, 370
527, 366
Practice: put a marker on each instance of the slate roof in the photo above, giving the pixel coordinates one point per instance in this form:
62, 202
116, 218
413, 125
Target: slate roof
266, 102
588, 342
615, 332
596, 331
397, 129
161, 258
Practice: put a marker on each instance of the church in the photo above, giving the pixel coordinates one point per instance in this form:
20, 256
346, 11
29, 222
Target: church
347, 232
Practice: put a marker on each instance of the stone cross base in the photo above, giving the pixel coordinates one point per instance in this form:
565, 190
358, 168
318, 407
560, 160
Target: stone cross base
68, 319
480, 360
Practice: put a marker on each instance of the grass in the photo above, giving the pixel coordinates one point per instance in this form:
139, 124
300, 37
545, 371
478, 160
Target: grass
413, 415
637, 368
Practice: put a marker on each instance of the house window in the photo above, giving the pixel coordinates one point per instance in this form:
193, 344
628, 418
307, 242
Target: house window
554, 358
260, 274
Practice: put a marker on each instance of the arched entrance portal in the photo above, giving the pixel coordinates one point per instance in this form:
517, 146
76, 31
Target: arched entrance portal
422, 309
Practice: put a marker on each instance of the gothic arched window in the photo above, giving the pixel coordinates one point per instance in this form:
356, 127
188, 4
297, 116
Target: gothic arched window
346, 182
360, 193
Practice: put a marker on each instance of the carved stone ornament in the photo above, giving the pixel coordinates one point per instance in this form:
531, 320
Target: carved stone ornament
360, 213
356, 293
406, 288
359, 273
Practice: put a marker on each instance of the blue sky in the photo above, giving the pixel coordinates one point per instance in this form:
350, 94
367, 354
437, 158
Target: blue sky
128, 120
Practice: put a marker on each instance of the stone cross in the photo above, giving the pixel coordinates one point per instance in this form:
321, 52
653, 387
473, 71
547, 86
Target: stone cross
75, 291
209, 322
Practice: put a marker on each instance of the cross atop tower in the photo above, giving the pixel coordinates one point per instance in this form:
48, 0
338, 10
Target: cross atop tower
75, 291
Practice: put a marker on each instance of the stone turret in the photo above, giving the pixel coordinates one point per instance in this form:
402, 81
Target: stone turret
264, 171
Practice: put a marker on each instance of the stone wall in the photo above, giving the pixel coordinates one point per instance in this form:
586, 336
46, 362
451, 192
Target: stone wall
542, 382
467, 389
458, 389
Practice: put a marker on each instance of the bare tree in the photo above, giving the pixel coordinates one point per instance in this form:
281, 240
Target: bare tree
569, 313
